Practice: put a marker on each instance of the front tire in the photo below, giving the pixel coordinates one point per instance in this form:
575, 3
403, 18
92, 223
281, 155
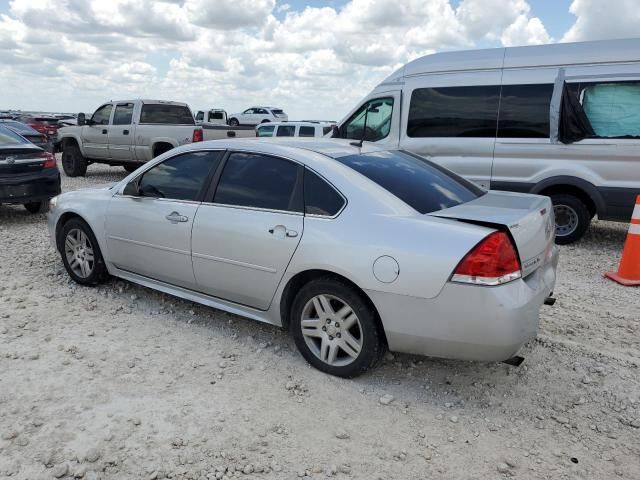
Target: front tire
81, 254
37, 207
130, 168
572, 218
335, 328
73, 163
234, 122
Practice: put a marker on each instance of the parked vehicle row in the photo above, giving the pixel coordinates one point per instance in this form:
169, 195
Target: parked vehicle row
559, 120
280, 232
31, 134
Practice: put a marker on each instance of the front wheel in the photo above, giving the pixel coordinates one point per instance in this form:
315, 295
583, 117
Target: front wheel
37, 207
234, 122
335, 329
73, 163
130, 168
81, 254
572, 218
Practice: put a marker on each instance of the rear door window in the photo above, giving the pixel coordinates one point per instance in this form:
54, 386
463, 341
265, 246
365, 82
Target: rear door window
286, 131
166, 114
307, 132
260, 181
421, 184
524, 111
123, 114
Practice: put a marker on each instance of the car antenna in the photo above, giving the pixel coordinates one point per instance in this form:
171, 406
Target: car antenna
364, 130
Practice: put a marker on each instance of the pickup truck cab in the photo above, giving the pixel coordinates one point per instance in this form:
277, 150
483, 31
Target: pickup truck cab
215, 116
126, 133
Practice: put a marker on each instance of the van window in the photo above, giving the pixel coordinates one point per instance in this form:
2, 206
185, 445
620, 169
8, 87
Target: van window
307, 132
613, 108
378, 114
454, 112
286, 131
266, 131
524, 111
200, 116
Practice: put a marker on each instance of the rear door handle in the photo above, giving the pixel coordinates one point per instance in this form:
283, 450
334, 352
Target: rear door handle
175, 217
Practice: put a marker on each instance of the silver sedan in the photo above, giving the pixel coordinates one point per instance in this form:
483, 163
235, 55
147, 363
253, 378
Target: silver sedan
353, 249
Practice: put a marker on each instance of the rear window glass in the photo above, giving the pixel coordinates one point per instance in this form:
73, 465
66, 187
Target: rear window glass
276, 111
20, 128
419, 183
9, 137
307, 132
286, 131
216, 115
159, 113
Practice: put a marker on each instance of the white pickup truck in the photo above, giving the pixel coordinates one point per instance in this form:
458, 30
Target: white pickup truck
126, 133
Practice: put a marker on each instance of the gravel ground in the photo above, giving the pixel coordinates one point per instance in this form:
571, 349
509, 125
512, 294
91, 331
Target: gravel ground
122, 382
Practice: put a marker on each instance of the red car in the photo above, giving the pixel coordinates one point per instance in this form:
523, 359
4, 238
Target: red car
45, 125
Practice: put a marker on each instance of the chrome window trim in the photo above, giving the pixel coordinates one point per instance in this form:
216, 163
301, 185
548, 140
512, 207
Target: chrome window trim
257, 209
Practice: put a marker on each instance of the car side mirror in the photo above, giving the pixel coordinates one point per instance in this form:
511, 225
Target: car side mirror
131, 189
81, 119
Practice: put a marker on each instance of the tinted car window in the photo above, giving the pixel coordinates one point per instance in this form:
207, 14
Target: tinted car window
161, 113
277, 111
216, 115
320, 198
9, 137
326, 130
307, 132
454, 112
200, 116
286, 131
524, 111
377, 116
266, 131
179, 178
123, 114
20, 127
261, 181
420, 184
101, 116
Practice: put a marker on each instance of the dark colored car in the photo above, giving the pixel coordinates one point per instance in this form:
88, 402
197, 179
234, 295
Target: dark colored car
28, 174
46, 125
29, 133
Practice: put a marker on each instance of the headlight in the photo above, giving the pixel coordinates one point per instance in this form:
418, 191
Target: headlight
53, 202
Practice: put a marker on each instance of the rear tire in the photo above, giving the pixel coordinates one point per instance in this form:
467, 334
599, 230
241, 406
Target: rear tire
572, 218
37, 207
73, 163
131, 168
335, 328
234, 122
81, 254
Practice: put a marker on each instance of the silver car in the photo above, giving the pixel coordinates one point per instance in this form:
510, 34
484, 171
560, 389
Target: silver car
353, 249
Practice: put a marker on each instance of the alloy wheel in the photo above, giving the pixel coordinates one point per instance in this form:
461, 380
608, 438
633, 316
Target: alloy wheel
331, 330
79, 253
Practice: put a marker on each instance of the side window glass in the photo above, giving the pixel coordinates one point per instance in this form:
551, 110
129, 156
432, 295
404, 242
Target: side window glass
524, 111
377, 114
179, 178
320, 198
286, 131
613, 108
101, 116
260, 181
266, 131
248, 111
123, 114
307, 132
200, 116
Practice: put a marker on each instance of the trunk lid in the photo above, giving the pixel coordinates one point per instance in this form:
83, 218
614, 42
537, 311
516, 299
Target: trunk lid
529, 219
20, 160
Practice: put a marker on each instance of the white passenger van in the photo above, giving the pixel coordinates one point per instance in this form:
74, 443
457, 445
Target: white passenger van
561, 120
293, 129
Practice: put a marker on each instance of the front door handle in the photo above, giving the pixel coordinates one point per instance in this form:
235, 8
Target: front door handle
281, 231
175, 217
292, 233
125, 132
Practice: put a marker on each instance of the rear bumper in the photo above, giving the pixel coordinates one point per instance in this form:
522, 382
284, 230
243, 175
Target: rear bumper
468, 322
33, 187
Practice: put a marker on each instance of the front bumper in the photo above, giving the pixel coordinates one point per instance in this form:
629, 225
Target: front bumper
32, 187
468, 322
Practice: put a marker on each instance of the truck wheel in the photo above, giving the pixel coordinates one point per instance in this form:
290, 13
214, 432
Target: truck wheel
234, 122
131, 168
572, 218
37, 207
73, 163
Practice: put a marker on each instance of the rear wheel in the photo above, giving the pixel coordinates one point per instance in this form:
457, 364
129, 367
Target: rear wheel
73, 163
130, 168
81, 254
572, 218
335, 329
37, 207
234, 122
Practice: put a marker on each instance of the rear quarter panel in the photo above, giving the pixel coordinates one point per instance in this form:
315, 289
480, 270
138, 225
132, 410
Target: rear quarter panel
146, 136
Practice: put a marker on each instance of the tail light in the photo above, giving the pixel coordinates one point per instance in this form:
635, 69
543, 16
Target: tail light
49, 160
493, 261
197, 136
43, 139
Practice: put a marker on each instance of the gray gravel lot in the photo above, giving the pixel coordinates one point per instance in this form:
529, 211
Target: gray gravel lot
121, 382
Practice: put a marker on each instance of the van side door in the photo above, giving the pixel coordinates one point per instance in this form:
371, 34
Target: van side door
451, 119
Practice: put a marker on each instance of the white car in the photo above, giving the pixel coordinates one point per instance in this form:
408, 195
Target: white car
257, 115
293, 129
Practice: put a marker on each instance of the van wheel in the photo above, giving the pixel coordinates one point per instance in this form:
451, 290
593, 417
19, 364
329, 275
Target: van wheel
572, 218
234, 122
73, 163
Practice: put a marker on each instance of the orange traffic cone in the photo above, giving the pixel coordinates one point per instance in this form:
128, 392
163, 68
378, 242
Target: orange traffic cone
629, 270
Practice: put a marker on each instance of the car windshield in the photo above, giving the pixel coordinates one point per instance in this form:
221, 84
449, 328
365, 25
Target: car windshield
422, 185
10, 138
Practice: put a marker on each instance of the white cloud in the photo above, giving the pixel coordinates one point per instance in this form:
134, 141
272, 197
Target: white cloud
73, 54
600, 20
